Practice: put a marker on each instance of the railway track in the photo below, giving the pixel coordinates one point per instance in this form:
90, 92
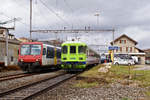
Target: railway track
15, 76
31, 90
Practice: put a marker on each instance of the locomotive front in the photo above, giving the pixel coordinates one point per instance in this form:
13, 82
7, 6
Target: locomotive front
30, 56
73, 56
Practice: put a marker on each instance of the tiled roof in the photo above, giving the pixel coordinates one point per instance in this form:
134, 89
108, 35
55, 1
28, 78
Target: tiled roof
124, 35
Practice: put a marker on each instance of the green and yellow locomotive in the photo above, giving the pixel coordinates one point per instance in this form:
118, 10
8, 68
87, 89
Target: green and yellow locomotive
75, 56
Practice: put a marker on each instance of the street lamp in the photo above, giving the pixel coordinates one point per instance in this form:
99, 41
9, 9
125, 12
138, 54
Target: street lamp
97, 14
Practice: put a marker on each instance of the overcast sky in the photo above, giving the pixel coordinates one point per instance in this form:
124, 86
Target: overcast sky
129, 17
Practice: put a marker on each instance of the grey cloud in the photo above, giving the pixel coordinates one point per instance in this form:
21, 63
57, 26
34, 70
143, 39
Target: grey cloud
126, 16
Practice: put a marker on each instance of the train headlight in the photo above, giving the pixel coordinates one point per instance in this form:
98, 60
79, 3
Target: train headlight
21, 60
37, 59
80, 58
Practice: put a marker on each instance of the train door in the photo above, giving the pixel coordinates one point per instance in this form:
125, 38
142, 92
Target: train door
50, 55
58, 56
55, 56
44, 61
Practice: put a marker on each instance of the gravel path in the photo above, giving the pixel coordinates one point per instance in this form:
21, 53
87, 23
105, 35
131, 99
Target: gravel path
143, 67
6, 85
5, 73
114, 91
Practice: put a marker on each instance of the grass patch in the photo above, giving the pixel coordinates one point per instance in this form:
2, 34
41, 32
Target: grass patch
147, 93
84, 84
125, 99
93, 72
124, 72
90, 78
120, 73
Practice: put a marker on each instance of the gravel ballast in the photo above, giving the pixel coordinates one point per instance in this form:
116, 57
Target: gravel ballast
10, 84
6, 73
113, 91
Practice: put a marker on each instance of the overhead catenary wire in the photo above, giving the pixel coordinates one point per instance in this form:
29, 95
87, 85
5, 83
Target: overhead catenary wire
72, 10
56, 14
42, 14
20, 21
22, 6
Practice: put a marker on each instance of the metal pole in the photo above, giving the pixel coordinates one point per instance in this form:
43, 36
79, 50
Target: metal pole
6, 47
97, 15
97, 20
113, 44
31, 19
113, 36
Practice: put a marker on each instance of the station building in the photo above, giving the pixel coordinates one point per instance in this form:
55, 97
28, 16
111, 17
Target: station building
147, 51
127, 46
13, 46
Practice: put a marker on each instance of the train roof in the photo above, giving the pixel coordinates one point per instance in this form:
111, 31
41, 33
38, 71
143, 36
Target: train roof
73, 42
93, 51
40, 43
32, 43
58, 47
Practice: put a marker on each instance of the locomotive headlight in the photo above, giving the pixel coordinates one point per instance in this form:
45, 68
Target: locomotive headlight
37, 59
21, 60
80, 58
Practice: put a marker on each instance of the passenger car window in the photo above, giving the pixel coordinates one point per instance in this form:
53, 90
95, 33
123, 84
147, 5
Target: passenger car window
50, 52
58, 53
64, 49
44, 51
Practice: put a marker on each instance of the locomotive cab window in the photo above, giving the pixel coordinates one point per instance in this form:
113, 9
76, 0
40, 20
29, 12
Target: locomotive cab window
25, 50
35, 49
32, 49
82, 49
64, 49
72, 49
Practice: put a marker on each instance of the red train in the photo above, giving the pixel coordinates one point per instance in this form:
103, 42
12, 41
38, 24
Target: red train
34, 56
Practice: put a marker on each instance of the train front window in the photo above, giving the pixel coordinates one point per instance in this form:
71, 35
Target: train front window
25, 50
72, 49
35, 49
82, 49
30, 49
64, 49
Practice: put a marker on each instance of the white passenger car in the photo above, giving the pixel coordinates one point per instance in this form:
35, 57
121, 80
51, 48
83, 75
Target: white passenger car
123, 61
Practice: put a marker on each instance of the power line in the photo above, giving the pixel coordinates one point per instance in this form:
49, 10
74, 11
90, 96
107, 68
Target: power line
22, 6
71, 9
41, 13
25, 24
68, 5
18, 20
51, 10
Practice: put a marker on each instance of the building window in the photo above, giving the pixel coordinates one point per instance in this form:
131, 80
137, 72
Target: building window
120, 49
123, 41
117, 50
126, 49
130, 49
12, 58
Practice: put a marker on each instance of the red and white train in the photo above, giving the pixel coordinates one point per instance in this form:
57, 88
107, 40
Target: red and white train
34, 56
